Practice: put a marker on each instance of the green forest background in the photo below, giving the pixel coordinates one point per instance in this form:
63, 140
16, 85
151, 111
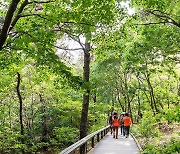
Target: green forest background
135, 68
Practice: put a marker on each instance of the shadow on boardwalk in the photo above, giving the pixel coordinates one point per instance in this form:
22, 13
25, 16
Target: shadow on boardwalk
109, 145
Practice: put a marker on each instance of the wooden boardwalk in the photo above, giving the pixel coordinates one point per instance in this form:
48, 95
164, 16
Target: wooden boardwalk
109, 145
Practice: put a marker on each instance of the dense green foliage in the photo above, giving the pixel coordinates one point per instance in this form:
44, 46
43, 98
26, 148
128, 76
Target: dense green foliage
134, 68
171, 147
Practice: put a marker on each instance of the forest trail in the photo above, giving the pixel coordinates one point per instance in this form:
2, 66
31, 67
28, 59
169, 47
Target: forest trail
109, 145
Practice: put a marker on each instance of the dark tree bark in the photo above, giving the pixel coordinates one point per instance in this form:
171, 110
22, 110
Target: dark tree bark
10, 118
44, 123
120, 103
166, 18
127, 96
20, 107
139, 103
23, 5
113, 100
7, 22
178, 93
95, 98
123, 92
151, 92
85, 104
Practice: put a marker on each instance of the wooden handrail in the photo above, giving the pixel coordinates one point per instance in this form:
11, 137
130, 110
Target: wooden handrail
84, 140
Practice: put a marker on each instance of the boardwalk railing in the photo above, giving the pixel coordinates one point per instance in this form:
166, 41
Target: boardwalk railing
83, 142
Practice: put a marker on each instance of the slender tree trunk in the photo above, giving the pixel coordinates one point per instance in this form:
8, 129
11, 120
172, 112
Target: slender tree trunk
126, 104
127, 96
112, 100
178, 93
161, 105
7, 22
151, 91
85, 104
10, 118
32, 116
122, 91
95, 98
139, 102
44, 125
120, 103
150, 103
20, 108
16, 18
168, 102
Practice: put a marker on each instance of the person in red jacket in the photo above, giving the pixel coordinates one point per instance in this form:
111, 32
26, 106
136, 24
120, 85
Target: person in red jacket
127, 123
115, 119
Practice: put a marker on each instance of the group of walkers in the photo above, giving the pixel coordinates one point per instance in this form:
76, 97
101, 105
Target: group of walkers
123, 121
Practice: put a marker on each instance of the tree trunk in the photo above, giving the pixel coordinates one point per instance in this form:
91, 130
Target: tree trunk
151, 92
178, 93
120, 103
10, 118
44, 125
7, 22
127, 96
95, 98
139, 103
85, 104
113, 100
20, 108
32, 116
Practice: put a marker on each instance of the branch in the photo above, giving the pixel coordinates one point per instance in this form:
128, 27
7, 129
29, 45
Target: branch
72, 36
15, 37
23, 5
41, 2
152, 23
164, 16
28, 15
132, 98
7, 22
81, 23
67, 49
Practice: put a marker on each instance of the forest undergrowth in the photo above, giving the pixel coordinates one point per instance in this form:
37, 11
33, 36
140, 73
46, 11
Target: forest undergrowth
159, 135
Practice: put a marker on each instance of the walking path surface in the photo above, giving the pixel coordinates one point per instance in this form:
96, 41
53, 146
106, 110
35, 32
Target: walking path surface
110, 145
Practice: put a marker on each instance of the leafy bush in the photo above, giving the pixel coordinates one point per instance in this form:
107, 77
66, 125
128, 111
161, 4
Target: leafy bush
66, 135
173, 147
147, 126
173, 115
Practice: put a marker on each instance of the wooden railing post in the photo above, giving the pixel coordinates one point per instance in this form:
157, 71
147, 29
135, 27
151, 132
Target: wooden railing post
98, 137
83, 143
83, 149
86, 144
92, 142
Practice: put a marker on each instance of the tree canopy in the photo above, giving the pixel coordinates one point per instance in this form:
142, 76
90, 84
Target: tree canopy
131, 64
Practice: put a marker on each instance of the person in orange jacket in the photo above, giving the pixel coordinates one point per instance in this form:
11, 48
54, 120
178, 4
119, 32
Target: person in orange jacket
127, 123
115, 119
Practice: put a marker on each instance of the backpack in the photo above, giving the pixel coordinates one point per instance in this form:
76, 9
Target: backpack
116, 121
110, 120
121, 120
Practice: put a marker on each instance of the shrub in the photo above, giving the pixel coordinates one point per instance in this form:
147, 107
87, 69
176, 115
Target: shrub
172, 147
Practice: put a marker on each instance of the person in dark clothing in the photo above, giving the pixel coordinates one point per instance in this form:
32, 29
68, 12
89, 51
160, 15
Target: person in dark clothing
122, 123
111, 123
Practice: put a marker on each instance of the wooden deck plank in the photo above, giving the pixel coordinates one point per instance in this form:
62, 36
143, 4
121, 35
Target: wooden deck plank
109, 145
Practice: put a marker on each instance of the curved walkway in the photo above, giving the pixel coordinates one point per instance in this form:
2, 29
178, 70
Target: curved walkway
109, 145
